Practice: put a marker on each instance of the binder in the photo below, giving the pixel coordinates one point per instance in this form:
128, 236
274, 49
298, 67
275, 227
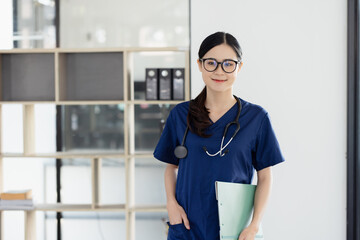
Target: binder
178, 81
151, 78
235, 204
165, 84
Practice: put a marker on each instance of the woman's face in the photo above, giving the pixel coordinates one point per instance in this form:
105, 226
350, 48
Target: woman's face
218, 80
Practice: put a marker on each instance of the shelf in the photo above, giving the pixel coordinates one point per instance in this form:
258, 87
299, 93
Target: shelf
98, 102
148, 208
77, 155
60, 207
63, 75
16, 208
65, 155
141, 155
37, 50
149, 49
27, 102
88, 76
127, 49
155, 102
81, 50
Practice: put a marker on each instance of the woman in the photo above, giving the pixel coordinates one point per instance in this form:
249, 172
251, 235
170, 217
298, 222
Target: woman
191, 200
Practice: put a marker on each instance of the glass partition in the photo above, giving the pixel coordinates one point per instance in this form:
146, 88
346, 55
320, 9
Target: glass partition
34, 24
156, 23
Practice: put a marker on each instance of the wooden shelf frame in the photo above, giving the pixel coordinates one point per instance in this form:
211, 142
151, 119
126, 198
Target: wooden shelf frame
64, 207
129, 155
135, 102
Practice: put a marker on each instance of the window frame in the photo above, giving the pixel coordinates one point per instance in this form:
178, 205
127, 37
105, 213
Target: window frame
353, 161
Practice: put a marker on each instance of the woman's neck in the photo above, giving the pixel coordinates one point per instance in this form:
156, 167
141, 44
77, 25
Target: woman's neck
219, 100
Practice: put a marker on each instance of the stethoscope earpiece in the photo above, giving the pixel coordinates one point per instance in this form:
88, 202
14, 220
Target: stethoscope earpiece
226, 151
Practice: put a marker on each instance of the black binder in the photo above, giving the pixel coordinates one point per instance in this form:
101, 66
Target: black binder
151, 83
178, 82
165, 83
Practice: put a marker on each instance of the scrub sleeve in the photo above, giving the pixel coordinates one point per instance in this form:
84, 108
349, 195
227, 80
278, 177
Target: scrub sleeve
267, 149
164, 150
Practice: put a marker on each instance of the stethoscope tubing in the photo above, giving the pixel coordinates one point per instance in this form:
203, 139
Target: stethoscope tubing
181, 151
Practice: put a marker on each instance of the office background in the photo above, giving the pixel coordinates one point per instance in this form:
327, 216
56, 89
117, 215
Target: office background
295, 57
121, 25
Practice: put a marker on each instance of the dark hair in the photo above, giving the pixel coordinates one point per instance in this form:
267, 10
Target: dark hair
198, 116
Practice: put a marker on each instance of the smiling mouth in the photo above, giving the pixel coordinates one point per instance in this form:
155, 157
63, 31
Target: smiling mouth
218, 80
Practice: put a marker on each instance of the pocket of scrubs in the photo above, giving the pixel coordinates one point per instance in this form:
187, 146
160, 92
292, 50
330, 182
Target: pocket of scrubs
178, 232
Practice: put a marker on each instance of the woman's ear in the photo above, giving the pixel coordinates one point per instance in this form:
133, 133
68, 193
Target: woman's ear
240, 66
199, 64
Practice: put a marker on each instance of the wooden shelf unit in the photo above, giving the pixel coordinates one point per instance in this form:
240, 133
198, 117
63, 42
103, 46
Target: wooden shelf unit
58, 96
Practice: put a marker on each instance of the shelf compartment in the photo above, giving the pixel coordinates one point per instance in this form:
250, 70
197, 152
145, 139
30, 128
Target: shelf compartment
86, 76
139, 61
106, 172
93, 127
34, 80
149, 122
89, 224
149, 178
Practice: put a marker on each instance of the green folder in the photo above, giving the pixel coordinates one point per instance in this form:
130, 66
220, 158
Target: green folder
236, 204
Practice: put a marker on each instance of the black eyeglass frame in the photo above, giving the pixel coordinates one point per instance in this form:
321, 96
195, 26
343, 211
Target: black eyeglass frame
220, 63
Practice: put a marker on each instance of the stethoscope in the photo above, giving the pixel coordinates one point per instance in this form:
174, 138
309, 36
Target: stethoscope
181, 151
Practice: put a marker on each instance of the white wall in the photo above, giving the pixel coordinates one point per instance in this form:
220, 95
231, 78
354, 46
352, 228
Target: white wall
295, 67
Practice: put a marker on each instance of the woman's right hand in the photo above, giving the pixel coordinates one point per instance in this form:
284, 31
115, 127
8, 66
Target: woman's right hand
177, 214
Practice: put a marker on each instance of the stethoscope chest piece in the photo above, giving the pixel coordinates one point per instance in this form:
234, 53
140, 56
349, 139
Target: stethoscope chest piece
180, 151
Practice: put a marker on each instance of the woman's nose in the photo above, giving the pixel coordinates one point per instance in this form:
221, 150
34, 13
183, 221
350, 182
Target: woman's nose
219, 70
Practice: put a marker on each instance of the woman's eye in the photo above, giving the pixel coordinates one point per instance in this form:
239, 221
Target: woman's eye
228, 64
211, 63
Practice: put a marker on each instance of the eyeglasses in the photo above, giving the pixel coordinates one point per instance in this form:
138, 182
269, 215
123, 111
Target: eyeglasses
228, 65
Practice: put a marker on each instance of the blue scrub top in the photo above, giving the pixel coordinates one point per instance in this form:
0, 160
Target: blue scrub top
254, 147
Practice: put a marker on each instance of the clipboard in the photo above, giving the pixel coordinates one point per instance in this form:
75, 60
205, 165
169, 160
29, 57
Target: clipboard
235, 204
